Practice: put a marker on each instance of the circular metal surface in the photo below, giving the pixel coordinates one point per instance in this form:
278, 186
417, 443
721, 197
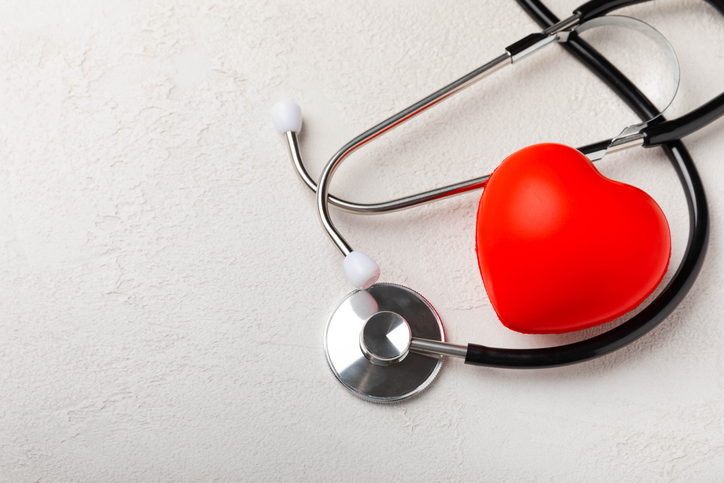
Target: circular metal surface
390, 383
385, 338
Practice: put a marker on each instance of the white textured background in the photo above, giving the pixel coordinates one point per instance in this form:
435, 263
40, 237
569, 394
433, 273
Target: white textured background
164, 283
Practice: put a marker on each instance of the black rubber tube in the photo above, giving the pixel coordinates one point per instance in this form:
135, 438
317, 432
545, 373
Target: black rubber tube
690, 266
686, 124
597, 8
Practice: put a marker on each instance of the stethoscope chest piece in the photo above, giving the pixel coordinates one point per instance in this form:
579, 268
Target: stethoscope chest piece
368, 338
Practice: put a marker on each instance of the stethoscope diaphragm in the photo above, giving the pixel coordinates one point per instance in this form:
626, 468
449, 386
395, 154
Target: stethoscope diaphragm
377, 365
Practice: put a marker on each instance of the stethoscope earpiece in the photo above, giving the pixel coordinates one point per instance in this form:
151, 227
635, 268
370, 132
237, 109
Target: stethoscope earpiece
360, 269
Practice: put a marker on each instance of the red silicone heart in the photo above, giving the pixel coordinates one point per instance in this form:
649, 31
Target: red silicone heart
563, 248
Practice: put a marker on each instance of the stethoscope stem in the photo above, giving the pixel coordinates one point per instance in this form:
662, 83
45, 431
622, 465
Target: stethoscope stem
386, 339
437, 348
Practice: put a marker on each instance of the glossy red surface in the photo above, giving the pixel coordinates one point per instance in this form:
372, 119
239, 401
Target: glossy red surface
563, 248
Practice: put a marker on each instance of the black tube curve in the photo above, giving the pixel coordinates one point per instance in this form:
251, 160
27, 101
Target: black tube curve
688, 123
597, 8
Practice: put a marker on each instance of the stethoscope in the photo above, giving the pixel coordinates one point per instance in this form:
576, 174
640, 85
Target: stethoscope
385, 342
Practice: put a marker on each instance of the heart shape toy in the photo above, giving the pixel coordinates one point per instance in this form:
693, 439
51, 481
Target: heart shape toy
563, 248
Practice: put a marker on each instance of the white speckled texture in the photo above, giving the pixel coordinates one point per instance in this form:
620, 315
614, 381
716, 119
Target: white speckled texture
164, 282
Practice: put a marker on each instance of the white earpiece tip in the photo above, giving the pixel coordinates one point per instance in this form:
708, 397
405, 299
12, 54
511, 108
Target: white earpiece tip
361, 270
287, 116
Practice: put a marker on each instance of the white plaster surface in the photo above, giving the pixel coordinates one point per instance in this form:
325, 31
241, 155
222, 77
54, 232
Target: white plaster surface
164, 282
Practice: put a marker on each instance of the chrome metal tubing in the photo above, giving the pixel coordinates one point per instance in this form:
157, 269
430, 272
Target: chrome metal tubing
566, 24
534, 42
561, 29
425, 197
544, 41
614, 145
295, 154
385, 206
384, 127
626, 142
432, 195
435, 347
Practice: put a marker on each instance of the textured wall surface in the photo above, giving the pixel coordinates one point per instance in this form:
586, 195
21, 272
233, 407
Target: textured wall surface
164, 282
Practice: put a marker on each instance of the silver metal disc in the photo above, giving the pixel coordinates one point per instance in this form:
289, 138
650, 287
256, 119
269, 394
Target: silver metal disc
369, 381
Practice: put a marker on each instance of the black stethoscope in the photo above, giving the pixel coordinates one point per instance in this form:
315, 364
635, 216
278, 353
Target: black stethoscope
384, 342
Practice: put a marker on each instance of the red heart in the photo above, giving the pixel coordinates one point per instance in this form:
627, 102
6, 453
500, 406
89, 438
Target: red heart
563, 248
